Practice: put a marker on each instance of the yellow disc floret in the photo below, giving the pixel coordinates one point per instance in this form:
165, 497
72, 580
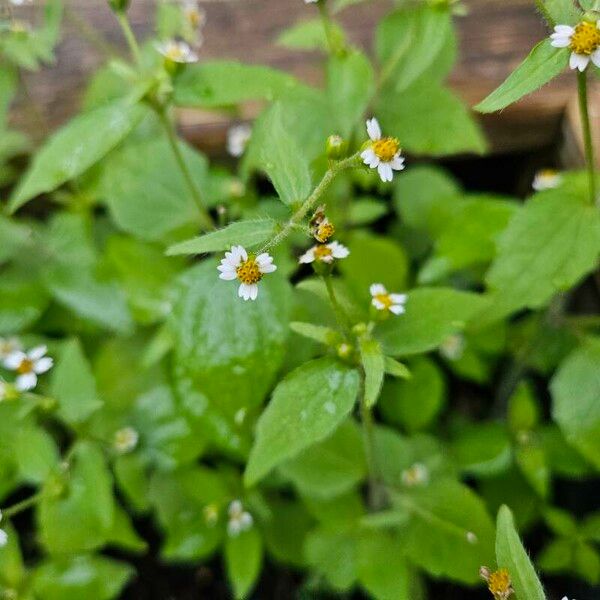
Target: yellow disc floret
499, 584
385, 300
322, 252
324, 231
249, 272
26, 366
386, 148
586, 38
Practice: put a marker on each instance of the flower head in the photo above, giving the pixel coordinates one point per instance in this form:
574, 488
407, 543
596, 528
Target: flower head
499, 582
321, 227
326, 253
381, 299
125, 440
546, 179
8, 346
383, 153
248, 269
239, 519
583, 40
28, 366
20, 2
177, 51
193, 14
238, 137
417, 474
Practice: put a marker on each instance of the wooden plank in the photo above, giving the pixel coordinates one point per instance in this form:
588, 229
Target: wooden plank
494, 38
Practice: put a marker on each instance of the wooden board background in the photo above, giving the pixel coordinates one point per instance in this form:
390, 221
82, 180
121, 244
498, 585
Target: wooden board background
494, 38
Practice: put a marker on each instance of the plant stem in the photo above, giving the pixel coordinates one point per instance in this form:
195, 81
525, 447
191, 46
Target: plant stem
328, 27
311, 201
587, 132
11, 511
541, 6
340, 315
205, 218
130, 37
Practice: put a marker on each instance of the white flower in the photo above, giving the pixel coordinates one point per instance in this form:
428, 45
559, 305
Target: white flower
310, 1
383, 153
546, 179
8, 346
418, 474
28, 366
324, 253
193, 14
177, 51
382, 300
20, 2
238, 137
249, 270
583, 40
453, 347
3, 538
125, 440
239, 519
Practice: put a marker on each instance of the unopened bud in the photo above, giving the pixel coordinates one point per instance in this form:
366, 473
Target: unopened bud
336, 147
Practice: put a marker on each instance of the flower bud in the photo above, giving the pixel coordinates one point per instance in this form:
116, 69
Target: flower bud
119, 6
336, 147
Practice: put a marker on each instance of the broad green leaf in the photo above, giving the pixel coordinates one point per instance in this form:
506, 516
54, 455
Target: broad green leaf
247, 233
22, 301
548, 246
318, 333
575, 392
523, 409
432, 314
309, 35
543, 64
331, 467
563, 12
243, 560
396, 369
531, 460
124, 535
281, 158
414, 403
511, 555
36, 453
350, 85
8, 88
409, 40
75, 148
307, 406
81, 518
333, 555
365, 211
221, 83
76, 577
15, 238
374, 367
73, 385
12, 567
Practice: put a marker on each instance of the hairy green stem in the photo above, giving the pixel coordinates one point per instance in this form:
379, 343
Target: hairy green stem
11, 511
541, 6
129, 37
587, 132
205, 218
311, 201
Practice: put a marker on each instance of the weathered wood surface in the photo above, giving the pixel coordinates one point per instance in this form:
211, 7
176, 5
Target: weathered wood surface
494, 37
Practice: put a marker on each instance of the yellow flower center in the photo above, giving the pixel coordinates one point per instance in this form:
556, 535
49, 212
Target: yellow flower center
585, 39
249, 272
322, 252
548, 173
193, 16
324, 232
175, 53
386, 148
385, 300
26, 366
499, 584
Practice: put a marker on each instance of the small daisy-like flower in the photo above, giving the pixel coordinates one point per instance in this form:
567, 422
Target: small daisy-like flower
8, 346
28, 366
326, 253
211, 514
382, 300
177, 51
249, 270
453, 347
310, 1
499, 582
321, 228
125, 440
3, 535
238, 137
583, 40
193, 14
418, 474
239, 519
546, 179
20, 2
383, 153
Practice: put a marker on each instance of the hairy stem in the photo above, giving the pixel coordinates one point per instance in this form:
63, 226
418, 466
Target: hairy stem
541, 6
587, 132
11, 511
129, 37
312, 200
332, 44
205, 218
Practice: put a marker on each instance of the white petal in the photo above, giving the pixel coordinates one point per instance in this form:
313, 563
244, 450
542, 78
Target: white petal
385, 172
228, 275
397, 309
14, 359
564, 29
240, 252
264, 259
246, 520
42, 365
377, 304
397, 163
369, 157
373, 129
37, 352
307, 257
377, 288
253, 291
267, 268
3, 538
596, 57
338, 250
560, 41
26, 382
398, 298
244, 291
226, 268
579, 61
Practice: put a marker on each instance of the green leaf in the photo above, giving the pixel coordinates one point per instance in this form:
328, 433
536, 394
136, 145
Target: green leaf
531, 460
87, 576
331, 467
374, 366
22, 301
15, 237
333, 555
75, 148
73, 385
365, 211
548, 246
309, 35
563, 12
511, 555
523, 409
396, 369
543, 64
432, 314
12, 567
247, 233
243, 559
575, 392
281, 157
318, 333
350, 85
36, 453
306, 407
